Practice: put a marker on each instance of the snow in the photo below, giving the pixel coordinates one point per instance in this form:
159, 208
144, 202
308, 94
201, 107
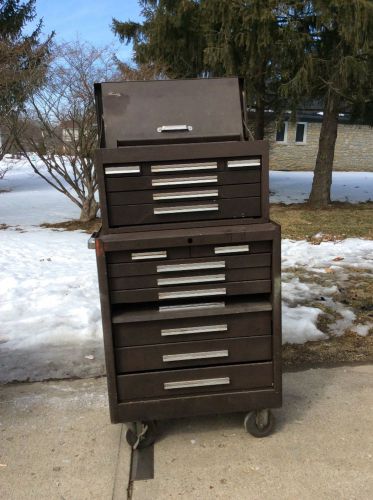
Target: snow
295, 187
49, 300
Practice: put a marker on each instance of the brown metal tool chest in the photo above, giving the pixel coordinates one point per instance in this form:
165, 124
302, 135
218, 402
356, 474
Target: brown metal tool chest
188, 262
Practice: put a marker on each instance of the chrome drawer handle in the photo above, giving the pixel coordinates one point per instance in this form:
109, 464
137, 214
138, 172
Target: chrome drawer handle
181, 167
175, 128
166, 358
134, 169
196, 383
243, 163
191, 307
193, 266
186, 209
179, 181
232, 249
194, 329
192, 293
162, 254
182, 195
190, 279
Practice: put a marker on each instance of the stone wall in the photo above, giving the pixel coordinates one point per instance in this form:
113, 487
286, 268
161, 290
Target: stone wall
354, 148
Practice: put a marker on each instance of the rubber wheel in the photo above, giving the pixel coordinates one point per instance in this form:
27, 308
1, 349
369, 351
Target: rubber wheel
146, 439
252, 424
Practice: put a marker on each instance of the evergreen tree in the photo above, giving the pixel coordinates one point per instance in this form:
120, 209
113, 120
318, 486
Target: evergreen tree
337, 68
22, 56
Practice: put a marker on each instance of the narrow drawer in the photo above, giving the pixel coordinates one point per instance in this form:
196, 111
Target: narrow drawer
196, 265
164, 280
168, 383
244, 248
193, 354
142, 257
191, 292
120, 215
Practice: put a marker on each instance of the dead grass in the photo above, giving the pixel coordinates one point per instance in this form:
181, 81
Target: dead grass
75, 225
339, 221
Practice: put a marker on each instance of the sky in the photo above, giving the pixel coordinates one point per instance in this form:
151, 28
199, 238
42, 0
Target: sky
88, 20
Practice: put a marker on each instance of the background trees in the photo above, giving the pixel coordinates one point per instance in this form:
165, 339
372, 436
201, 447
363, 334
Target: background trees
287, 51
23, 60
64, 109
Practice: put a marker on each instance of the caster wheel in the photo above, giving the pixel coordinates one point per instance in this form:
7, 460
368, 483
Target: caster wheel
259, 423
142, 434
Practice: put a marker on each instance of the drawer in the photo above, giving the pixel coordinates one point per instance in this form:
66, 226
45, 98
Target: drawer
153, 255
163, 280
127, 215
214, 379
193, 354
214, 264
135, 180
189, 329
191, 292
243, 248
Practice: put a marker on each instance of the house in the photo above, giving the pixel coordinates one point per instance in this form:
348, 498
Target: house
294, 143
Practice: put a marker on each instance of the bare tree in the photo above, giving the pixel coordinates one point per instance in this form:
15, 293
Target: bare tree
64, 108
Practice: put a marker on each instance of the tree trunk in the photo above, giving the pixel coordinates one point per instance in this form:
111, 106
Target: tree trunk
259, 121
89, 209
322, 177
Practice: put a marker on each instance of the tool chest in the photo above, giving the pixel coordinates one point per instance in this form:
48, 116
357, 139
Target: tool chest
188, 261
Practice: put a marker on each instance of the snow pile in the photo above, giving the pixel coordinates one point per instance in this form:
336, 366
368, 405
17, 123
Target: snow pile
295, 187
49, 306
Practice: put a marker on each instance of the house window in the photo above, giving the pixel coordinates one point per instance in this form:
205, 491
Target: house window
301, 133
282, 132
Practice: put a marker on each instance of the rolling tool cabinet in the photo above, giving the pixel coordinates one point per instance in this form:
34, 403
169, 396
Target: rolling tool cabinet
188, 261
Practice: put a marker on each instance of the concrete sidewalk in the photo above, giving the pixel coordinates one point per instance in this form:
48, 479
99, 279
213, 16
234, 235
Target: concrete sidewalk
56, 442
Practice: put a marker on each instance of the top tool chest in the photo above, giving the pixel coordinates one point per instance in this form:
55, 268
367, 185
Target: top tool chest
185, 162
188, 261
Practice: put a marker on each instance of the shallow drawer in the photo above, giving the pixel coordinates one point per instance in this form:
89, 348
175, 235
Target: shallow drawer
190, 278
135, 181
153, 255
191, 292
208, 380
243, 248
120, 215
191, 354
192, 329
188, 265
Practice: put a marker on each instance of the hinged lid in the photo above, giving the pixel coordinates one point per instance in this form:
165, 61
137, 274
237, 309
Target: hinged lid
169, 111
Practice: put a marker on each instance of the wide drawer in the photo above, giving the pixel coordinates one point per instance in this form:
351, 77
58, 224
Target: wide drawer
191, 292
215, 275
123, 215
197, 265
141, 259
193, 354
157, 330
168, 383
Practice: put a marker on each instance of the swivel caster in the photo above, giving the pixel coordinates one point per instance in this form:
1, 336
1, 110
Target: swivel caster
259, 423
140, 435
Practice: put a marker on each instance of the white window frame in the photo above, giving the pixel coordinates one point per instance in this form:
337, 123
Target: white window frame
301, 143
285, 141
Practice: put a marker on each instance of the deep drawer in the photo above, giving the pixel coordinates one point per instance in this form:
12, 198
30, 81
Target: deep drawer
191, 292
193, 354
159, 331
208, 380
120, 215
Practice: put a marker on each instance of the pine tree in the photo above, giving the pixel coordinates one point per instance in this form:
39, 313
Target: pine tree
337, 68
22, 56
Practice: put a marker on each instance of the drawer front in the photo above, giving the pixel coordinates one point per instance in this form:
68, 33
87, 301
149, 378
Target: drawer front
193, 354
191, 292
169, 383
192, 329
126, 215
223, 250
198, 265
142, 257
188, 278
